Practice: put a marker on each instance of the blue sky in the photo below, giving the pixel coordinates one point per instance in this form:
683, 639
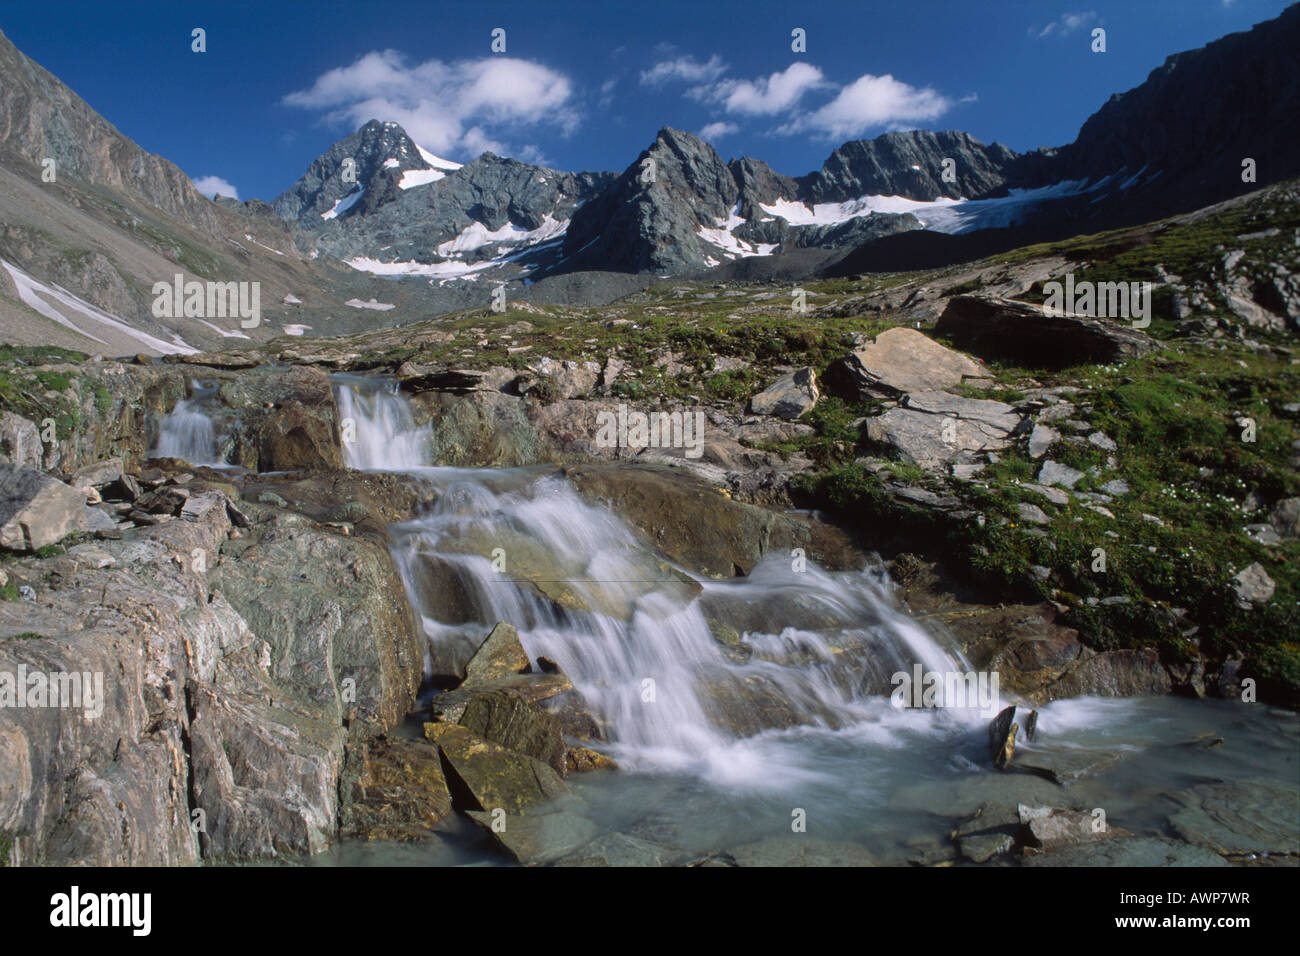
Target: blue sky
587, 85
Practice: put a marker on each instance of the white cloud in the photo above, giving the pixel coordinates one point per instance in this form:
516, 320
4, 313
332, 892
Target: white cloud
684, 68
215, 186
1068, 23
767, 94
871, 101
449, 108
718, 130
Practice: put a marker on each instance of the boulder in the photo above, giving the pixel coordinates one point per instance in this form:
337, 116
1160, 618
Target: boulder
931, 428
1054, 473
97, 474
486, 776
537, 837
1048, 829
506, 718
997, 328
688, 520
585, 760
37, 510
900, 360
500, 655
399, 792
788, 397
1252, 586
1285, 517
1121, 673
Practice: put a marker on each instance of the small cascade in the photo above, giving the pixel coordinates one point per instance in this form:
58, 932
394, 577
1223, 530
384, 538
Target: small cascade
639, 638
187, 432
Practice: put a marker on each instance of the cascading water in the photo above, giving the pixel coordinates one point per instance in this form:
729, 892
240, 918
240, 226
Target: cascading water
757, 701
187, 432
634, 634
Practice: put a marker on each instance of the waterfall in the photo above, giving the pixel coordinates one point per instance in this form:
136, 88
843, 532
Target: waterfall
636, 635
376, 425
187, 432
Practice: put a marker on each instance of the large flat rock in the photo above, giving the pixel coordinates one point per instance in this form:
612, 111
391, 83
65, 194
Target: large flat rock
901, 360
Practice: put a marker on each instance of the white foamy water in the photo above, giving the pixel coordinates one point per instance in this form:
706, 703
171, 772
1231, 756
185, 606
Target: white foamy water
636, 635
187, 433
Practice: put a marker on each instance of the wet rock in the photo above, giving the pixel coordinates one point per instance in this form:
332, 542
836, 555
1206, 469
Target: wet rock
688, 520
788, 397
486, 776
37, 510
1047, 828
539, 836
1066, 766
1252, 586
1128, 852
585, 760
500, 655
982, 847
1002, 737
506, 718
900, 360
1240, 817
1030, 335
801, 851
1122, 673
481, 429
449, 706
400, 792
621, 849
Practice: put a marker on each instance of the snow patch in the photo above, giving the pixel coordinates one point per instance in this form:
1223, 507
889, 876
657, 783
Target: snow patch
420, 177
372, 304
940, 215
36, 294
725, 239
296, 329
477, 235
343, 205
437, 162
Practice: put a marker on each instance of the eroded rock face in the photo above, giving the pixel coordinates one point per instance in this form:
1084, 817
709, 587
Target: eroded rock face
993, 327
237, 665
689, 521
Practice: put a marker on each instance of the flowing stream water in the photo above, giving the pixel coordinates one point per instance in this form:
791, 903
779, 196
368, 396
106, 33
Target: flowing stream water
727, 743
187, 432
